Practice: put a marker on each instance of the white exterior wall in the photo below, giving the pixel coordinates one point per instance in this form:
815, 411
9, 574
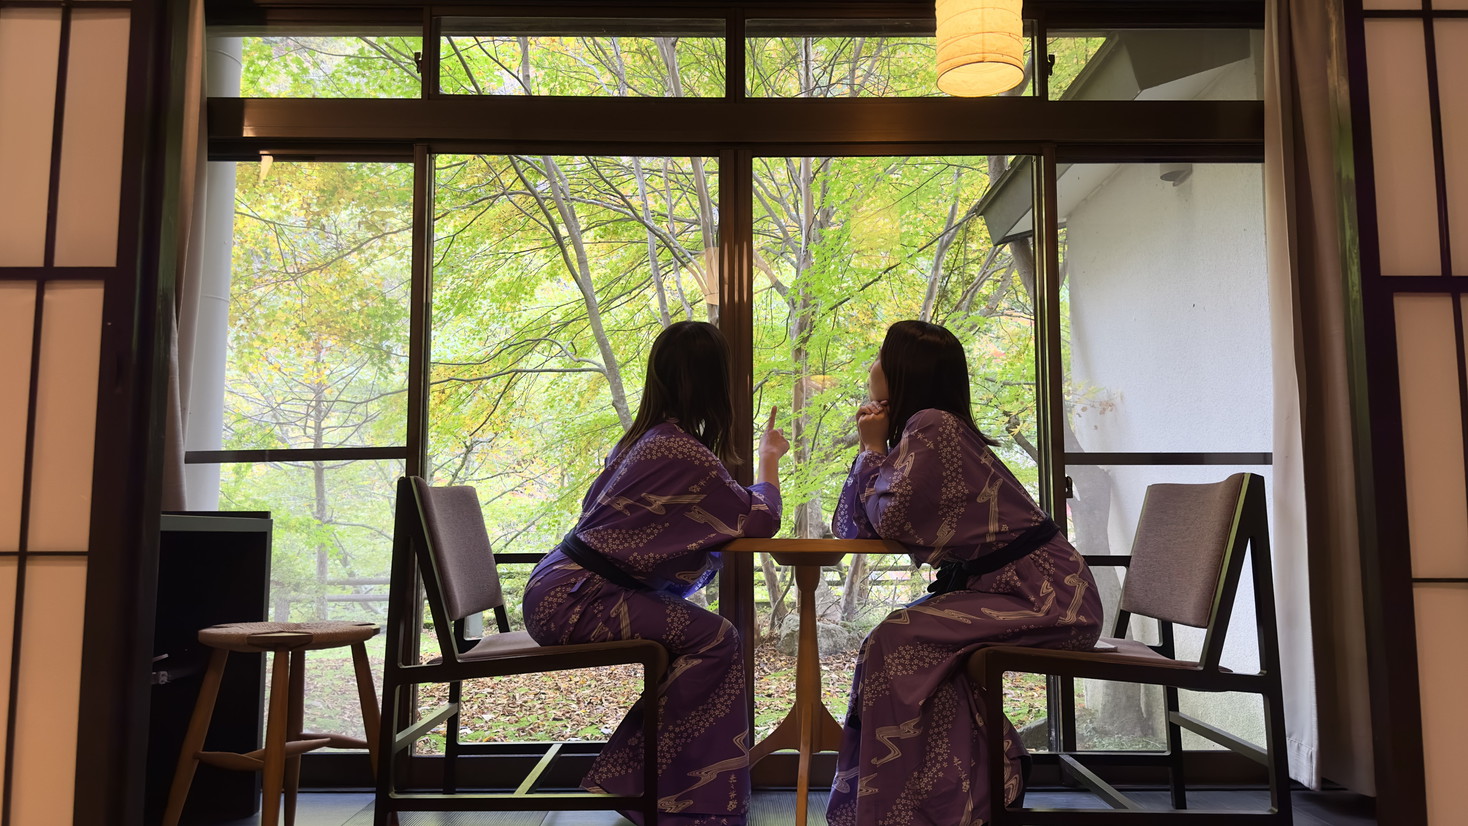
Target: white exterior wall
1170, 332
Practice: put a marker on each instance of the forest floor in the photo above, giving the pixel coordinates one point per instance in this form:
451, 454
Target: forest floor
587, 704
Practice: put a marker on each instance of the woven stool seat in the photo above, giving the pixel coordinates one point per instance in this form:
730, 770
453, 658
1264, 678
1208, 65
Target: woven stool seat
254, 637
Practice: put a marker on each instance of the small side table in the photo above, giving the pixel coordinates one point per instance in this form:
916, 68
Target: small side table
808, 727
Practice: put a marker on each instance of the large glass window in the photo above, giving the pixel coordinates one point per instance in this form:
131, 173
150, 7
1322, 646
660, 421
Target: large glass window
1157, 64
317, 360
590, 57
552, 275
338, 66
844, 247
551, 264
851, 58
1167, 352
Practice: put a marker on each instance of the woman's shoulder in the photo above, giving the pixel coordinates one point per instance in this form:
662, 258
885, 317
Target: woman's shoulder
934, 424
930, 418
666, 440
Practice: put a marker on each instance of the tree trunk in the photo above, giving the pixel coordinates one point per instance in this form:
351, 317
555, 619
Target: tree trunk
853, 596
776, 592
319, 509
652, 245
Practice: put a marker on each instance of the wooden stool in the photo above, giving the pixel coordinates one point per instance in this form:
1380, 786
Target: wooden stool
280, 760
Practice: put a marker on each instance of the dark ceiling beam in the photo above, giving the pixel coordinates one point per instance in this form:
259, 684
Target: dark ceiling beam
254, 126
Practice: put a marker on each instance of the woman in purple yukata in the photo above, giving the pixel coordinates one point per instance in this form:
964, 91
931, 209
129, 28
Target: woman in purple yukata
647, 538
912, 748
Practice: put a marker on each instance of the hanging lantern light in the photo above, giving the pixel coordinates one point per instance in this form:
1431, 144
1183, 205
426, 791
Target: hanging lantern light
980, 46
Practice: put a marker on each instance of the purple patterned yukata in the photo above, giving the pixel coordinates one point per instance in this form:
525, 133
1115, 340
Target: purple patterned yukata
657, 511
912, 748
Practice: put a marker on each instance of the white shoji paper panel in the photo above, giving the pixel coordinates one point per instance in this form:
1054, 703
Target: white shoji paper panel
1442, 613
66, 417
29, 47
1452, 67
17, 323
1449, 5
1432, 435
89, 197
1392, 4
44, 771
1401, 147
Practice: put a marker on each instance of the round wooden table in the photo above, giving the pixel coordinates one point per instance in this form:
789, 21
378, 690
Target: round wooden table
808, 727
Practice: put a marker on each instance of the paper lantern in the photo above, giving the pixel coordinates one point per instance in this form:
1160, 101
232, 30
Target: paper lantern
980, 46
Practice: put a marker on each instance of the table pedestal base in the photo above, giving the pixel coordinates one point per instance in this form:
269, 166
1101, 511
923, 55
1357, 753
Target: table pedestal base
809, 726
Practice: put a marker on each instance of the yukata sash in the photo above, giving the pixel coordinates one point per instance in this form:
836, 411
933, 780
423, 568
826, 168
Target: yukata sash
954, 575
592, 560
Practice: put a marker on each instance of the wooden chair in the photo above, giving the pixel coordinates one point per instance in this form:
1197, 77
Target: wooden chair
440, 537
1185, 566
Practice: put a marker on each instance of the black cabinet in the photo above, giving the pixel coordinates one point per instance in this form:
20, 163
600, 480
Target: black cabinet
212, 568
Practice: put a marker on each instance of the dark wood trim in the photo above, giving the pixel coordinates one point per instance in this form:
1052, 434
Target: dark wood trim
1049, 367
1398, 284
58, 131
18, 625
420, 348
736, 321
1061, 14
305, 454
1440, 14
44, 274
268, 123
1461, 352
734, 58
1439, 158
29, 554
1141, 458
57, 4
1391, 634
112, 736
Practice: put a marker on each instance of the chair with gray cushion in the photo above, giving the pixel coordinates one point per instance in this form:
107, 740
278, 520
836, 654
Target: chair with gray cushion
1185, 565
440, 537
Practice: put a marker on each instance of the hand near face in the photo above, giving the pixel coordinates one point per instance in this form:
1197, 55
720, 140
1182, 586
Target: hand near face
871, 426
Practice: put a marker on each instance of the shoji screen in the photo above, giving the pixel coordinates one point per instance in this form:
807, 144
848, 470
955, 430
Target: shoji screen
63, 89
1414, 217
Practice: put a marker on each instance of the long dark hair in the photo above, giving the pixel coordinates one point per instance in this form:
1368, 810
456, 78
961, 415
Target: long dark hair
688, 380
926, 368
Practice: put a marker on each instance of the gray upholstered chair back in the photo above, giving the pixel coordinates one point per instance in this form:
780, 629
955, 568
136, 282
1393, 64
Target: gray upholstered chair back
459, 546
1182, 538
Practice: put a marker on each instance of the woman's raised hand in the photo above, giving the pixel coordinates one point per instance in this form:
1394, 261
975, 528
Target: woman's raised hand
772, 443
871, 426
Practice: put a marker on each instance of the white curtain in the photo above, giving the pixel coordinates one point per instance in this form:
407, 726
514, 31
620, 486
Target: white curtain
196, 370
192, 158
1317, 581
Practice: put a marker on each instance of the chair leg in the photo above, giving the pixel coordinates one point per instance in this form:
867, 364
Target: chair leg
367, 696
273, 771
1279, 770
382, 814
295, 722
188, 755
451, 741
1175, 779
